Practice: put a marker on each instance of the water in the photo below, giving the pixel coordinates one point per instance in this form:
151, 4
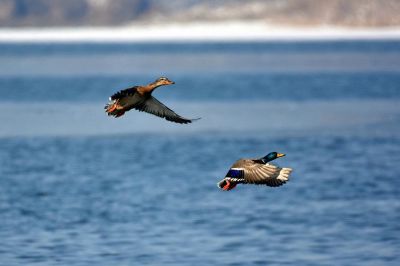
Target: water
80, 188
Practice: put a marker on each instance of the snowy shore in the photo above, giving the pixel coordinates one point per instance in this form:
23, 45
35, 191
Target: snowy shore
227, 31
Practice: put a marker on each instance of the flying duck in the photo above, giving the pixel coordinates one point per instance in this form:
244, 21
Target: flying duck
256, 171
140, 98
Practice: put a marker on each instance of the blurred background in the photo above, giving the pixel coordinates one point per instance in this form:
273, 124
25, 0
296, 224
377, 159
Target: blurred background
44, 13
317, 80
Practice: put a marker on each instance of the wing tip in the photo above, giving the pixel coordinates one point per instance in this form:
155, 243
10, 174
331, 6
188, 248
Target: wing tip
182, 120
188, 121
284, 174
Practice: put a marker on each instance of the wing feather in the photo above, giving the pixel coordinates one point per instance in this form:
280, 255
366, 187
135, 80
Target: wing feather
267, 174
153, 106
259, 175
275, 183
124, 93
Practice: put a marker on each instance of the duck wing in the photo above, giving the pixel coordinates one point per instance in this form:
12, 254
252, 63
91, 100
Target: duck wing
153, 106
251, 172
124, 93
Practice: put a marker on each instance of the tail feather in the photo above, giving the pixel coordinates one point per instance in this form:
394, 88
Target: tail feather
114, 109
226, 184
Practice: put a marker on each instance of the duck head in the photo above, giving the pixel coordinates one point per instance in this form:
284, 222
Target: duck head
272, 156
162, 81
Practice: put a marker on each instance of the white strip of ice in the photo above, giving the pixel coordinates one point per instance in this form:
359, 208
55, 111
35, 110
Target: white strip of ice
204, 31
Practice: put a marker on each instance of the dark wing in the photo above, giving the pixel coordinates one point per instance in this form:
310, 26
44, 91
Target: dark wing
123, 93
256, 173
153, 106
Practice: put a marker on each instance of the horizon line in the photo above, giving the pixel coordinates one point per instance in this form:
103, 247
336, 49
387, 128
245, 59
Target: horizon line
194, 32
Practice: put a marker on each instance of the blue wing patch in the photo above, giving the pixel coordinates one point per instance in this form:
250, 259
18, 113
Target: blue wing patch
235, 173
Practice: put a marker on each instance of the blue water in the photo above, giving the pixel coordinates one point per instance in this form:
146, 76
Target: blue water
80, 188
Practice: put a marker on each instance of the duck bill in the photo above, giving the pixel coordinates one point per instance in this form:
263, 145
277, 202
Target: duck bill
280, 155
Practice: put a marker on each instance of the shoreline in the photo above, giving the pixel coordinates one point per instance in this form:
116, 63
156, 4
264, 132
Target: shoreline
194, 32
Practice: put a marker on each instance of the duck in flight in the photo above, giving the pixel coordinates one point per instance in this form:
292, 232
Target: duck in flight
140, 98
256, 171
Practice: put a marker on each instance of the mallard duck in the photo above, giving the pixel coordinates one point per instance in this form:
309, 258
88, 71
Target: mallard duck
140, 98
256, 171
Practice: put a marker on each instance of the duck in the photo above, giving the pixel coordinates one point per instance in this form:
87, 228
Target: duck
141, 99
256, 171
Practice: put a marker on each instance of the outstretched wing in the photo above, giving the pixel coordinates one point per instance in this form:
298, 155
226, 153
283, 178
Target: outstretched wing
258, 173
155, 107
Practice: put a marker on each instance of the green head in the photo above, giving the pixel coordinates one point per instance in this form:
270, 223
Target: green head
272, 156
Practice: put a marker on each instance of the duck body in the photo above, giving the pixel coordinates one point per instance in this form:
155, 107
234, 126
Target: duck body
256, 171
141, 99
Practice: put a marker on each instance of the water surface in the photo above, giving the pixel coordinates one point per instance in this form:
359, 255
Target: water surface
80, 188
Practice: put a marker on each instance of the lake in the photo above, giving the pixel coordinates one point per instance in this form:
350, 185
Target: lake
80, 188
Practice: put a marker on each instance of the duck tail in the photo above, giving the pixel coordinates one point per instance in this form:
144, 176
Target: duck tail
227, 184
114, 109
